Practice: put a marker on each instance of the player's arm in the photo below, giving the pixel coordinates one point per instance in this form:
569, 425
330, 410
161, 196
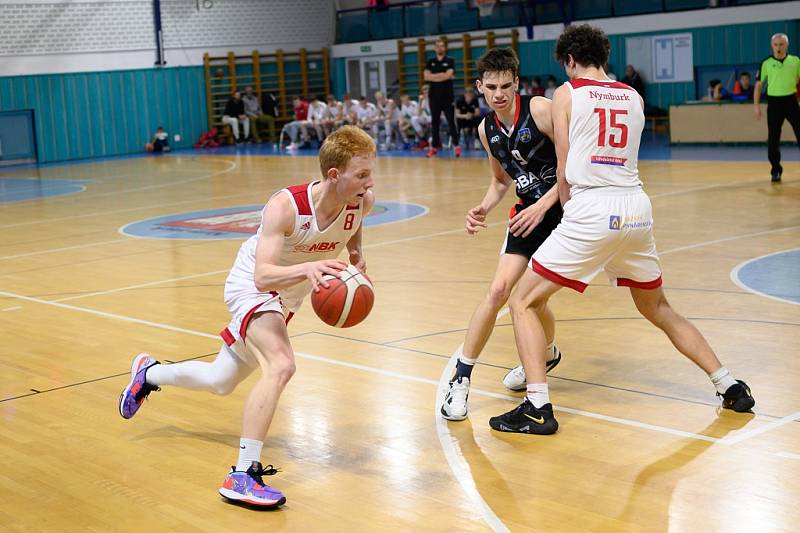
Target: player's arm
560, 110
278, 222
524, 222
499, 184
757, 100
354, 251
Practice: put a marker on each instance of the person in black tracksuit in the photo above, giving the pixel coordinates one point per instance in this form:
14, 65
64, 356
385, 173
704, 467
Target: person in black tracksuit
439, 74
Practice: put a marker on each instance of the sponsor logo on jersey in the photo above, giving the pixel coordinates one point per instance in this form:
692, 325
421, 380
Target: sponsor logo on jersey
306, 226
614, 222
608, 160
494, 139
524, 135
316, 247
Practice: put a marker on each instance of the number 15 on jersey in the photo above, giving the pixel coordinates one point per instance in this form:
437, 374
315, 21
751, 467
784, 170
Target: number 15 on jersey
612, 132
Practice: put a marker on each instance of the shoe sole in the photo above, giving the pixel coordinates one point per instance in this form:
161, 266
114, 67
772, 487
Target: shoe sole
544, 429
235, 497
550, 366
451, 417
135, 368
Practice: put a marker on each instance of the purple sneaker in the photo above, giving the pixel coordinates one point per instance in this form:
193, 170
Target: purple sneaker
137, 390
249, 487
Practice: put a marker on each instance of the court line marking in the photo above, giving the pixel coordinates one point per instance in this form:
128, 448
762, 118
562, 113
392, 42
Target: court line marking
735, 277
741, 437
53, 250
193, 201
726, 239
13, 308
458, 464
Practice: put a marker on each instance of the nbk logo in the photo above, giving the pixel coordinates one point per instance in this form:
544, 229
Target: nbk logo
614, 222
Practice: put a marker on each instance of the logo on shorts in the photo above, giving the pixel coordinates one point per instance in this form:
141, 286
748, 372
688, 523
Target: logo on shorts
524, 135
614, 222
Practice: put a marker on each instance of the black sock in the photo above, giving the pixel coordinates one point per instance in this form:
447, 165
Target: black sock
463, 370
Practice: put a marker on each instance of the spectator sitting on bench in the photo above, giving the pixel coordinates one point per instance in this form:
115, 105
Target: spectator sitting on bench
234, 115
298, 128
253, 111
742, 90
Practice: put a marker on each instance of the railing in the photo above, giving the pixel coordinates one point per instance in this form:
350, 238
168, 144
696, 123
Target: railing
430, 17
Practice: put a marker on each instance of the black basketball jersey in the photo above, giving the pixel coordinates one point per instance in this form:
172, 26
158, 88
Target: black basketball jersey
525, 153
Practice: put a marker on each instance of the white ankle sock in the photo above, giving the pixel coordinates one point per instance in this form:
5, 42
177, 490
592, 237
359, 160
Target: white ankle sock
722, 379
249, 451
538, 394
466, 360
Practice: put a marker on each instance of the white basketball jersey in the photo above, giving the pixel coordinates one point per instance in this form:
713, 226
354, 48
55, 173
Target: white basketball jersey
605, 129
306, 243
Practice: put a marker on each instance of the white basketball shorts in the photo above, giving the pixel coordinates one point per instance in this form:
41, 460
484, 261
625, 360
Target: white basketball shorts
603, 228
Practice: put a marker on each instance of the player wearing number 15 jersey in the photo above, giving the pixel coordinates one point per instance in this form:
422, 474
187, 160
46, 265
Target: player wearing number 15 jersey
607, 225
517, 136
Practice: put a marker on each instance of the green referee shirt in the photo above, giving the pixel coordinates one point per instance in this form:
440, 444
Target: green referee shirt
780, 76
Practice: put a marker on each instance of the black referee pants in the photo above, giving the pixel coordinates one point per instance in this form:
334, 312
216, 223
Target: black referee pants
437, 106
778, 109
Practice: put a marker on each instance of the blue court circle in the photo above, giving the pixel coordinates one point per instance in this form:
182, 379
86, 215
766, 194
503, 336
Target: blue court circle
241, 222
775, 276
21, 189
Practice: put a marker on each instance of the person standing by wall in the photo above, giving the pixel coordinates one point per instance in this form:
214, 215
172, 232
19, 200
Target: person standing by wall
780, 72
439, 74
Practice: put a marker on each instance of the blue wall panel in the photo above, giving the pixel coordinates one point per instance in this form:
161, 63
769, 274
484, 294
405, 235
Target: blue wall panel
97, 114
734, 45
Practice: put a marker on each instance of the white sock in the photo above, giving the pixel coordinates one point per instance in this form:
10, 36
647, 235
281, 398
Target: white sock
538, 394
722, 379
467, 361
550, 352
219, 377
249, 451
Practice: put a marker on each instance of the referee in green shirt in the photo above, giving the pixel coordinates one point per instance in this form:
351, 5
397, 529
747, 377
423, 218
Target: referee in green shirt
780, 72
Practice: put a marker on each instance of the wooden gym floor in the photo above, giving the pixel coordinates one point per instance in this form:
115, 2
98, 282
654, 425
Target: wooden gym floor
642, 444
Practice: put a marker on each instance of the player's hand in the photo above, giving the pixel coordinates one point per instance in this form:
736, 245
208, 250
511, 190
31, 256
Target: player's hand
315, 270
476, 219
523, 222
358, 261
757, 112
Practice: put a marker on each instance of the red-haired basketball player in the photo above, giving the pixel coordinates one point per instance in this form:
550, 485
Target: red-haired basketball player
303, 230
607, 226
517, 136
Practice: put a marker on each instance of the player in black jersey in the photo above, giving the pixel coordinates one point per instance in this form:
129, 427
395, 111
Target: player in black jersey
518, 136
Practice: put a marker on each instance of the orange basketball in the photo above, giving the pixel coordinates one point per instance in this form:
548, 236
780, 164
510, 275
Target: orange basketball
347, 300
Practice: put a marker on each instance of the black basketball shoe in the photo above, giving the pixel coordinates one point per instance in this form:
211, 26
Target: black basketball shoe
738, 397
525, 418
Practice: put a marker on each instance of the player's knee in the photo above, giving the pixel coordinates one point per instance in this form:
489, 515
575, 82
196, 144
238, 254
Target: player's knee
284, 368
498, 294
656, 311
223, 387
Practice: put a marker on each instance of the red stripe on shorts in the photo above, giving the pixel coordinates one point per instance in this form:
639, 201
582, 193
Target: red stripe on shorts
648, 285
558, 278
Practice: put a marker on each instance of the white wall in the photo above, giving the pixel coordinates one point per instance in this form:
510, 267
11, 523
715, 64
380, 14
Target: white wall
48, 36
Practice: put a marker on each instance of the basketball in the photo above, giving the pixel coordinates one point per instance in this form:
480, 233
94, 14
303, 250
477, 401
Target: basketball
149, 147
347, 300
